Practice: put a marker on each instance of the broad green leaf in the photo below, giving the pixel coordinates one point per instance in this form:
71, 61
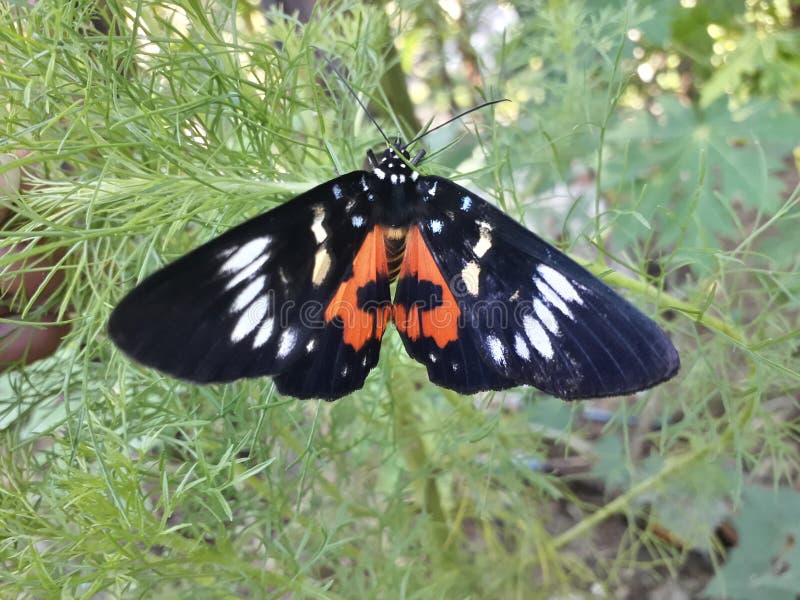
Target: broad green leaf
766, 563
664, 156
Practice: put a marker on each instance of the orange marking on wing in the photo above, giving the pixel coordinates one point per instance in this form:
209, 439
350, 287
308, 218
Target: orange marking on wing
440, 323
361, 323
407, 322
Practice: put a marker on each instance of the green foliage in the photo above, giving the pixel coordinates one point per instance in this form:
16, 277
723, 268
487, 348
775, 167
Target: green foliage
154, 126
727, 154
767, 563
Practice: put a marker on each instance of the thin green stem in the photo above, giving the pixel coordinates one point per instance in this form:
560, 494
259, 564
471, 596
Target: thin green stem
666, 301
626, 500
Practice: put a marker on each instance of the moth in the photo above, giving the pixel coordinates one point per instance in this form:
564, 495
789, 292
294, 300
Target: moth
302, 293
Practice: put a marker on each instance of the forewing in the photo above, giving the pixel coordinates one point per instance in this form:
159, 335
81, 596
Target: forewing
253, 301
527, 312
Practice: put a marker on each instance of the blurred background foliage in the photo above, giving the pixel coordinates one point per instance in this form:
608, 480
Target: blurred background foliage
658, 141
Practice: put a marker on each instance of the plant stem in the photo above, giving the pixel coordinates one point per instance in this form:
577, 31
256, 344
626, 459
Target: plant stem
416, 461
620, 503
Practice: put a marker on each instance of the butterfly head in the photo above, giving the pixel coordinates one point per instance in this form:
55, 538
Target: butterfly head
394, 169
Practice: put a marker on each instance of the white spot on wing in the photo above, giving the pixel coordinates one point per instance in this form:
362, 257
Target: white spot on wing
545, 316
537, 336
364, 185
560, 284
248, 271
264, 333
521, 348
286, 343
483, 245
432, 189
337, 191
245, 255
435, 225
496, 349
250, 319
310, 345
380, 173
248, 294
316, 226
357, 220
552, 298
466, 203
484, 241
414, 175
433, 358
393, 177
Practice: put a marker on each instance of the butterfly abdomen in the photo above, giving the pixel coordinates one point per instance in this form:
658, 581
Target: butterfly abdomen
395, 241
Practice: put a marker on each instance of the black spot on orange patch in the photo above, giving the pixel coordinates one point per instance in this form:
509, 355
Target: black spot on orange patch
436, 316
362, 320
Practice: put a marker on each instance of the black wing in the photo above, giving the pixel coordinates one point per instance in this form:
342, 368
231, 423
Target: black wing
257, 300
429, 317
527, 313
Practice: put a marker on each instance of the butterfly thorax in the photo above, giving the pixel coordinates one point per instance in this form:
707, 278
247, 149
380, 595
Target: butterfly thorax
396, 209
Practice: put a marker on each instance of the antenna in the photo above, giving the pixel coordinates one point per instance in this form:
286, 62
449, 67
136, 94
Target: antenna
371, 118
458, 116
353, 92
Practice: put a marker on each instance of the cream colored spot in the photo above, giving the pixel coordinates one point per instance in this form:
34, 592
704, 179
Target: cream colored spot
470, 275
322, 264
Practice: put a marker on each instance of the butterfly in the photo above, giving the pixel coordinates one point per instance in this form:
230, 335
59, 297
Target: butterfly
302, 293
